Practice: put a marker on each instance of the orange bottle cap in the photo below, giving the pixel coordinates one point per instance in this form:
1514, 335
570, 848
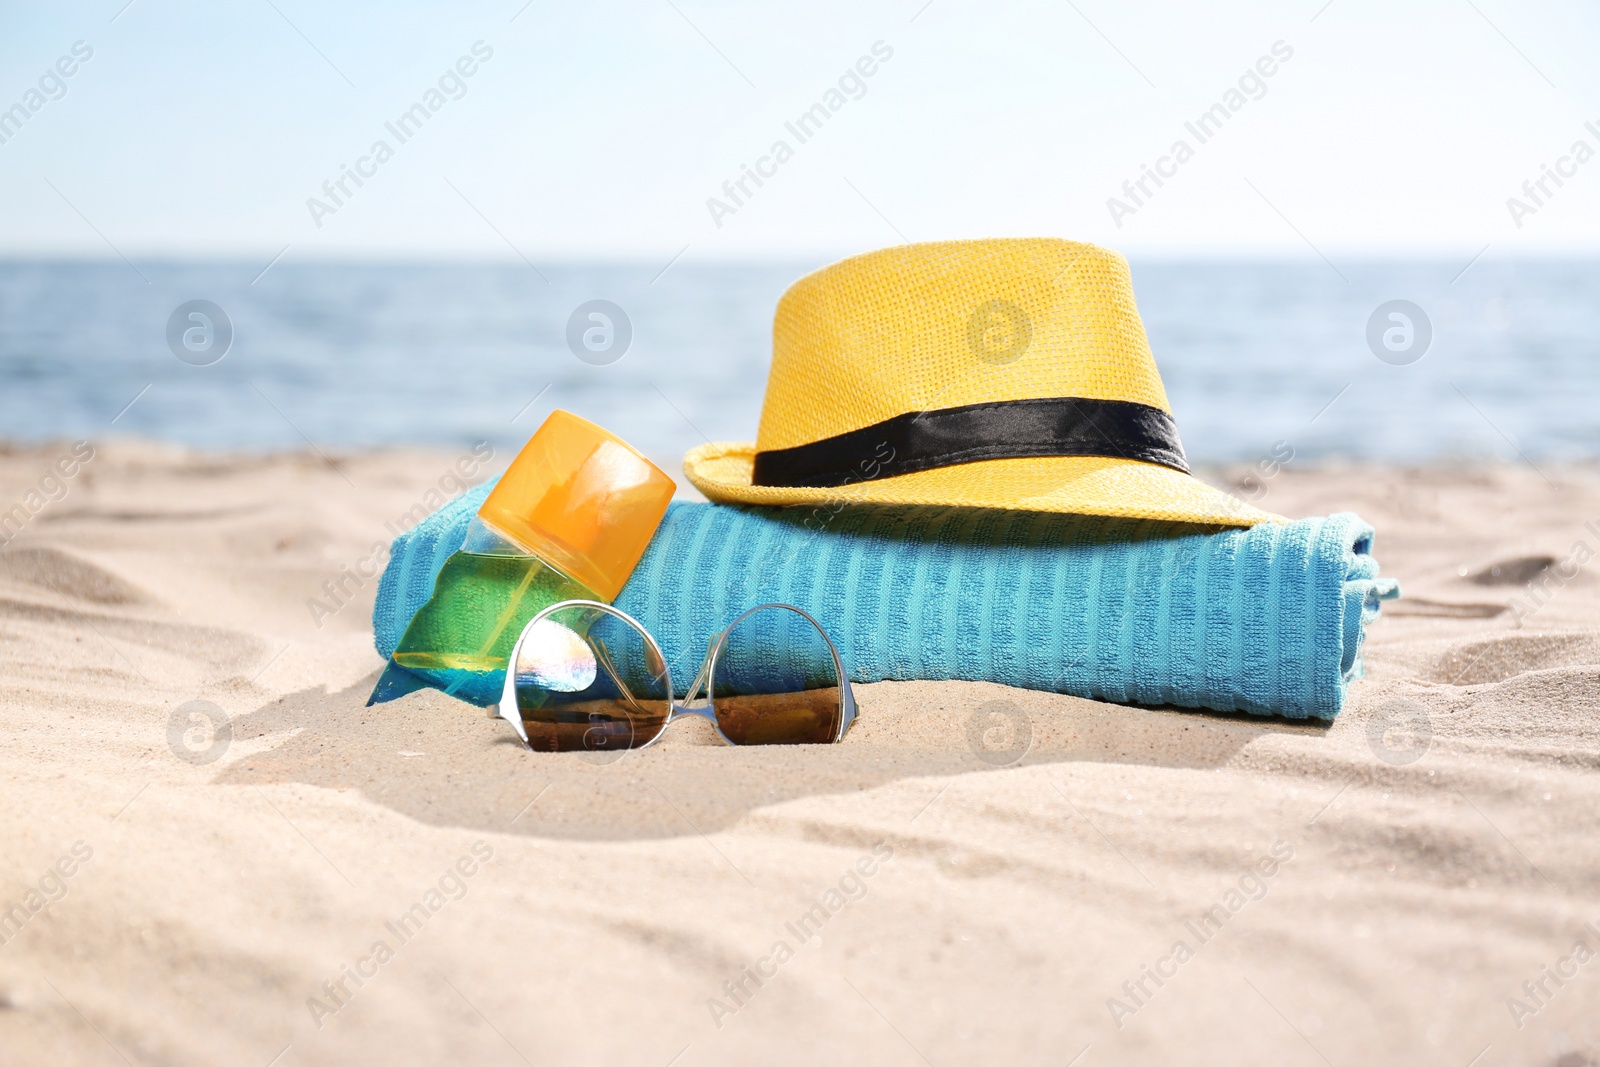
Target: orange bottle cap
582, 500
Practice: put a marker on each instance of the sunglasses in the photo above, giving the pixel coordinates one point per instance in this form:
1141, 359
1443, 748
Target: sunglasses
586, 677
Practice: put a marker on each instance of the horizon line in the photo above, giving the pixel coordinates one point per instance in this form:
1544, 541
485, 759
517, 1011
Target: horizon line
369, 258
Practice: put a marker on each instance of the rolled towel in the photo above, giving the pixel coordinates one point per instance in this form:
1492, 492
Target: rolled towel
1267, 620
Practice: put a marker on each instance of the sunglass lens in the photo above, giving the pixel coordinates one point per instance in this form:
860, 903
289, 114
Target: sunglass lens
775, 682
587, 681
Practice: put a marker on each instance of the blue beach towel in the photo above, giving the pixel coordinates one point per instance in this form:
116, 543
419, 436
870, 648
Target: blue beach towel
1267, 620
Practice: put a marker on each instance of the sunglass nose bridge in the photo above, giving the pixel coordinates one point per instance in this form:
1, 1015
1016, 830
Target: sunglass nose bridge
702, 709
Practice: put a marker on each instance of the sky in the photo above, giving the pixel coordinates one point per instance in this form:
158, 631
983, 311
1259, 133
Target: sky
608, 130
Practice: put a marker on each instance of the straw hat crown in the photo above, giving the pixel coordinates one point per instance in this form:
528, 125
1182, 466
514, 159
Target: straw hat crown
927, 326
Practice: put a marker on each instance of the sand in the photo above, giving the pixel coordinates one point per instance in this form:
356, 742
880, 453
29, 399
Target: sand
1379, 890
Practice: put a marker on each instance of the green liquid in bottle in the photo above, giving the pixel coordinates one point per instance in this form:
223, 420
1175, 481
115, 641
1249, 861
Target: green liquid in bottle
479, 606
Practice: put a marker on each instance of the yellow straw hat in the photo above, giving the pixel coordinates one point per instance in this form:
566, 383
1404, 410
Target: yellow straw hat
998, 373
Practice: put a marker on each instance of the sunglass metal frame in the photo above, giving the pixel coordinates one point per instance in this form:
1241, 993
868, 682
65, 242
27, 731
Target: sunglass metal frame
509, 710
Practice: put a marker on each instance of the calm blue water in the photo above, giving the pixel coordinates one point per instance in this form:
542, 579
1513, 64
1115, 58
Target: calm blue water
348, 355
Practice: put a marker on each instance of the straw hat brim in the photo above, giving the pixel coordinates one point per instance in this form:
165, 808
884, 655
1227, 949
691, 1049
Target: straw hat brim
1082, 485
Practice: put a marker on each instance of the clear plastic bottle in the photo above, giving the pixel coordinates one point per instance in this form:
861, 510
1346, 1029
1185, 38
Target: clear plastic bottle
569, 519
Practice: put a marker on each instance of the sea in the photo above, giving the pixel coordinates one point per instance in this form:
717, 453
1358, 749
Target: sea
1493, 358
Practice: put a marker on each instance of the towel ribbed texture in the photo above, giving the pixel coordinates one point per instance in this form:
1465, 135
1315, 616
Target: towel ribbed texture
1267, 620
